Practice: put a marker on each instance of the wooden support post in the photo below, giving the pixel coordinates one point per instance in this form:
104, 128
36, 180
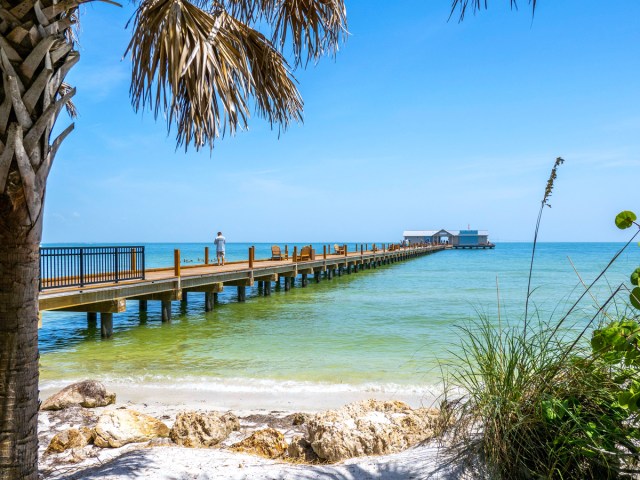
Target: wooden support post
278, 283
134, 262
208, 301
92, 318
324, 252
250, 257
287, 284
361, 249
242, 293
267, 289
106, 325
346, 248
295, 254
184, 296
316, 276
260, 287
206, 255
329, 274
286, 252
339, 271
142, 305
166, 311
304, 280
176, 262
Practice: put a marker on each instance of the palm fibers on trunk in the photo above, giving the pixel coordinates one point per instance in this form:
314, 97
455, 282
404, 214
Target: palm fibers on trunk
36, 53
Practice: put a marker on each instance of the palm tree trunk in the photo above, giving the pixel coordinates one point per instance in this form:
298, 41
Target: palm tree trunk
19, 267
36, 53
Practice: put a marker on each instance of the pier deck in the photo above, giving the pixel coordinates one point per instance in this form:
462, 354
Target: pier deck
171, 284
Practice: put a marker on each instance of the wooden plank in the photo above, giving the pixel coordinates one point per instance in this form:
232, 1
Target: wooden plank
267, 278
217, 287
169, 296
111, 306
247, 282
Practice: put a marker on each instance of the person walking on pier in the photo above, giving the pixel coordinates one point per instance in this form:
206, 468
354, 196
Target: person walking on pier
220, 242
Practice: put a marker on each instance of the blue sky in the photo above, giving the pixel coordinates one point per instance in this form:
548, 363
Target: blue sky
418, 123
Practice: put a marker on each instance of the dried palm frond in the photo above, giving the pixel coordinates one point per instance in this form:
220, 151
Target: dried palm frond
314, 27
65, 88
202, 68
476, 5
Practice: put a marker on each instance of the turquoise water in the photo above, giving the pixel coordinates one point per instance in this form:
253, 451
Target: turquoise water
378, 329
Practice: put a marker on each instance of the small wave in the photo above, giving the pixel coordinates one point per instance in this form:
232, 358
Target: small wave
251, 385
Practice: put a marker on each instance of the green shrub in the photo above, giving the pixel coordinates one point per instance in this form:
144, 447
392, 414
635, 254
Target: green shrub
538, 405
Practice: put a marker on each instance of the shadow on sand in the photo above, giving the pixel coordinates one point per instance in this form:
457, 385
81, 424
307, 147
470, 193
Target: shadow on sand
182, 464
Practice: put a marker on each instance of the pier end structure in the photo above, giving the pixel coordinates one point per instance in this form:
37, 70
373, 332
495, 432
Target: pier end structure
450, 238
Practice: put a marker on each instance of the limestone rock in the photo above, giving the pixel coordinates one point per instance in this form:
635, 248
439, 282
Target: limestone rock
116, 428
71, 438
370, 427
268, 443
203, 429
300, 449
299, 418
88, 394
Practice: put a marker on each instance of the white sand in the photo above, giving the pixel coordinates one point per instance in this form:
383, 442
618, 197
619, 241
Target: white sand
173, 463
162, 462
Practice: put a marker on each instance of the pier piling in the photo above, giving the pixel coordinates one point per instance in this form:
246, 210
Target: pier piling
166, 311
106, 325
209, 301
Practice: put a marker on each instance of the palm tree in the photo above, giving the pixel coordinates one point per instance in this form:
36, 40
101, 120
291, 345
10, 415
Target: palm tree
202, 64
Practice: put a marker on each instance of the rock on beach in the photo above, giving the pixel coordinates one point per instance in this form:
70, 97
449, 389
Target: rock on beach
268, 443
70, 438
203, 429
116, 428
370, 427
88, 394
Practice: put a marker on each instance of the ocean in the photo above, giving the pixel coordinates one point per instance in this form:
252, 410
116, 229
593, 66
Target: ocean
390, 329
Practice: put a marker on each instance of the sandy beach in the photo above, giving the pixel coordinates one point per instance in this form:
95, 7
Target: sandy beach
161, 459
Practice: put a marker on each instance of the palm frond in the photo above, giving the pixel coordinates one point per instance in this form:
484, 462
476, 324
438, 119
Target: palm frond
475, 5
203, 68
312, 27
71, 108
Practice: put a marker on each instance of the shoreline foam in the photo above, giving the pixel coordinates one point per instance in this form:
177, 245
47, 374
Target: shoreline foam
258, 395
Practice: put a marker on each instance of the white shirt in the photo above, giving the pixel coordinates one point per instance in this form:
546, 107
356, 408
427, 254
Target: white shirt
220, 242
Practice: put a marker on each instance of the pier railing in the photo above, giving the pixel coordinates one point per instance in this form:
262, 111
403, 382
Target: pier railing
80, 266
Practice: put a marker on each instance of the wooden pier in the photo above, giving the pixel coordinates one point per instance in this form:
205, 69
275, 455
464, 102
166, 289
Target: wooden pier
172, 284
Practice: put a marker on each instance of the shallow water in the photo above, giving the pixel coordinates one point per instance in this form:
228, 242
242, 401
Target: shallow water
378, 330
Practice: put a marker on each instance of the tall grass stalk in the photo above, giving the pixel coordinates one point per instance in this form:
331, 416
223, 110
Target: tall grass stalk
544, 203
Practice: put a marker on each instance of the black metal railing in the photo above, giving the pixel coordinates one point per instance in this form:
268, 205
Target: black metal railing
80, 266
